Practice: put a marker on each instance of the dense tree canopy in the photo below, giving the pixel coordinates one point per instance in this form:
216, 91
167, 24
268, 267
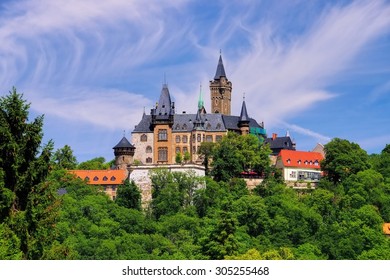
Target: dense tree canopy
343, 159
27, 202
236, 153
189, 217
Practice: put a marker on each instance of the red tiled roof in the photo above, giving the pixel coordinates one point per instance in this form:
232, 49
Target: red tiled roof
301, 159
101, 177
386, 228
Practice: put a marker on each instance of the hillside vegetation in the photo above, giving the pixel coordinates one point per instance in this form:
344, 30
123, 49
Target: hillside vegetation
46, 213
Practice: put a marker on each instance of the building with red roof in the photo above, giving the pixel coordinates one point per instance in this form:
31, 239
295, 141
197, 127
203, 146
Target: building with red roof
108, 179
299, 165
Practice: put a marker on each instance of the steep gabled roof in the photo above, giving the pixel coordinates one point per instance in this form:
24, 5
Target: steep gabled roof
144, 125
284, 142
300, 159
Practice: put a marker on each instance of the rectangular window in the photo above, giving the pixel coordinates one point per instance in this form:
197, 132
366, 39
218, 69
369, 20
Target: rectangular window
209, 138
199, 138
185, 149
162, 135
177, 139
218, 138
177, 150
163, 154
185, 139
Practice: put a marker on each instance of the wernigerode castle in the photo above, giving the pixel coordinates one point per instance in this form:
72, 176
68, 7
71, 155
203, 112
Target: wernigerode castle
164, 134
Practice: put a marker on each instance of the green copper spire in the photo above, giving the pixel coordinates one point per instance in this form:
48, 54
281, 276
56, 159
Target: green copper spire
200, 101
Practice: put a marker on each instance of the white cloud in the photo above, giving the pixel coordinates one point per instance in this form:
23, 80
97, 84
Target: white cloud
111, 109
282, 79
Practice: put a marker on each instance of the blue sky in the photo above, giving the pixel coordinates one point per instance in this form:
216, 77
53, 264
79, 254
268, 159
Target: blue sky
320, 69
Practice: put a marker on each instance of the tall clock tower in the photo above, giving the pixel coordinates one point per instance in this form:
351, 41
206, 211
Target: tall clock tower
221, 91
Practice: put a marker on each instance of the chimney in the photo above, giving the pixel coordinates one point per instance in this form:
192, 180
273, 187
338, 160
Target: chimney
274, 135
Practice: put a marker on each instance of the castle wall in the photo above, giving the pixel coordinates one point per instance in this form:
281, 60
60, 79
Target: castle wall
141, 177
140, 151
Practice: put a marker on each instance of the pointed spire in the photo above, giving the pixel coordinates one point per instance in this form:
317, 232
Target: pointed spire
164, 104
220, 69
244, 114
200, 100
199, 123
124, 143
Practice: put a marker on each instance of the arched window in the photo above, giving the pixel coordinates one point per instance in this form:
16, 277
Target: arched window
149, 150
149, 160
144, 138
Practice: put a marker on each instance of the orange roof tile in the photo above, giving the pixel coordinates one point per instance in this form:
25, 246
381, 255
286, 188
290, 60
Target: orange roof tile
386, 228
301, 159
101, 177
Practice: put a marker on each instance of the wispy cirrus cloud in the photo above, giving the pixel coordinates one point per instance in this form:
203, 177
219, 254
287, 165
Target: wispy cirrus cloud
287, 78
92, 60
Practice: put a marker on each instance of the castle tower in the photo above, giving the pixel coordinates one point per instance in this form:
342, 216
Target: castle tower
162, 121
124, 153
221, 91
243, 122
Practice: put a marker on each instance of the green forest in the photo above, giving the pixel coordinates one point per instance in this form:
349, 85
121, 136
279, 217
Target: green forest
47, 213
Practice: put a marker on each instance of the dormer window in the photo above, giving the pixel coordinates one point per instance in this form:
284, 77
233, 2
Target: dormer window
96, 178
288, 161
299, 161
105, 178
112, 178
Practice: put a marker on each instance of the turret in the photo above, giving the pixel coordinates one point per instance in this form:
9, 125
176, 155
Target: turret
124, 154
244, 120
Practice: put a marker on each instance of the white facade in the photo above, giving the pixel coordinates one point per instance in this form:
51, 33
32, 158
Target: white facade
144, 144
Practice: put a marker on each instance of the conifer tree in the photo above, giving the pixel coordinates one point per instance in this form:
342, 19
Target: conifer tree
28, 203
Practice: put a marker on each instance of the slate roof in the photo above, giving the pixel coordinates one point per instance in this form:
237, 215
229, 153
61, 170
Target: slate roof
244, 114
231, 122
164, 104
284, 142
144, 125
220, 70
124, 143
185, 122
